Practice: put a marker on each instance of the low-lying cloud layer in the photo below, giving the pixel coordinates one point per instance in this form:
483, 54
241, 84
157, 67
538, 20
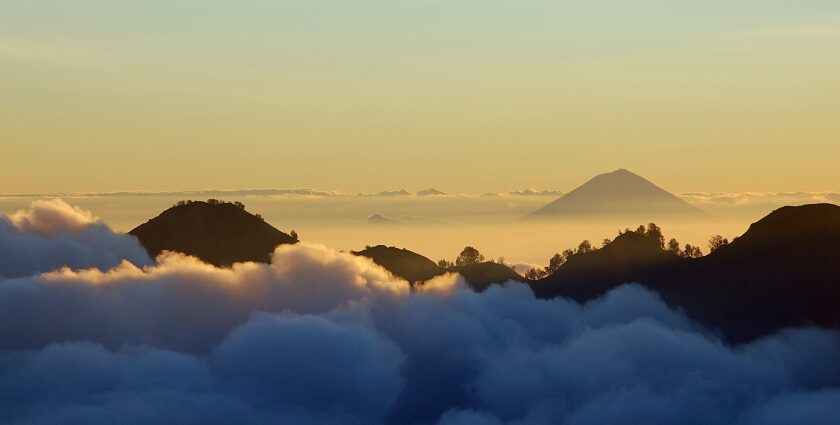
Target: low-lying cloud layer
721, 203
305, 192
53, 234
324, 337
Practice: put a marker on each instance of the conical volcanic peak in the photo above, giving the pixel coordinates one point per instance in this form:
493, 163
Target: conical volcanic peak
619, 193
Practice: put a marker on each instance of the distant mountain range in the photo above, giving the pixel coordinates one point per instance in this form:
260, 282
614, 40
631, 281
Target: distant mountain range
784, 271
223, 233
620, 193
430, 192
379, 220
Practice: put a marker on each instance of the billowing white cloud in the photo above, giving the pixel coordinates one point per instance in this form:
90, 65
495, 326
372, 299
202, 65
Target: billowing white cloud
48, 218
181, 302
324, 337
53, 234
314, 364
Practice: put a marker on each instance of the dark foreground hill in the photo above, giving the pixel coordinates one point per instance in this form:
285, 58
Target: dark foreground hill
784, 271
480, 276
416, 268
620, 193
403, 263
628, 258
218, 233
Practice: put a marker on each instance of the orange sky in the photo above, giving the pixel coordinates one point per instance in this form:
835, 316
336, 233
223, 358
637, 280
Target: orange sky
466, 95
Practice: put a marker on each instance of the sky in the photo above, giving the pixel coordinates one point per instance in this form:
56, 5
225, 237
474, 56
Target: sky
121, 108
440, 226
467, 95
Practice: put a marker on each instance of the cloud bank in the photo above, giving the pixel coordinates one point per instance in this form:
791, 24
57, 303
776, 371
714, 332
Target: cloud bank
53, 234
324, 337
750, 201
303, 192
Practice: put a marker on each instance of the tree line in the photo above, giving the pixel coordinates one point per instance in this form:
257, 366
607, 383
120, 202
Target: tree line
211, 201
240, 205
470, 255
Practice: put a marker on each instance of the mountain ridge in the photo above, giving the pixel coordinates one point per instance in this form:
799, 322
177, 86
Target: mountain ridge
782, 272
417, 269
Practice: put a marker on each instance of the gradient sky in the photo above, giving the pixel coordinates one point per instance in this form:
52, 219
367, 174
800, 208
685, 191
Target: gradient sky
464, 95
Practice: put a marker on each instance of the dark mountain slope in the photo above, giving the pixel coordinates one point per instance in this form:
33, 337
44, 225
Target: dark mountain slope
416, 268
480, 276
219, 233
586, 276
402, 263
784, 271
619, 193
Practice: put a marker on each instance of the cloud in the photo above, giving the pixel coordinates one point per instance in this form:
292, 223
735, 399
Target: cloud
381, 220
48, 218
181, 303
357, 368
751, 201
52, 234
535, 192
250, 379
324, 337
210, 193
291, 193
796, 408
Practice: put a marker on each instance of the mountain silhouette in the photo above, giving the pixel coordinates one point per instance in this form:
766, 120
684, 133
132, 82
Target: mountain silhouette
403, 263
218, 233
481, 275
619, 193
430, 192
416, 268
586, 276
379, 220
784, 271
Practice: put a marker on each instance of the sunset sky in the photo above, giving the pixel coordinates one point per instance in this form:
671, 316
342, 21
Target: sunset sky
464, 95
